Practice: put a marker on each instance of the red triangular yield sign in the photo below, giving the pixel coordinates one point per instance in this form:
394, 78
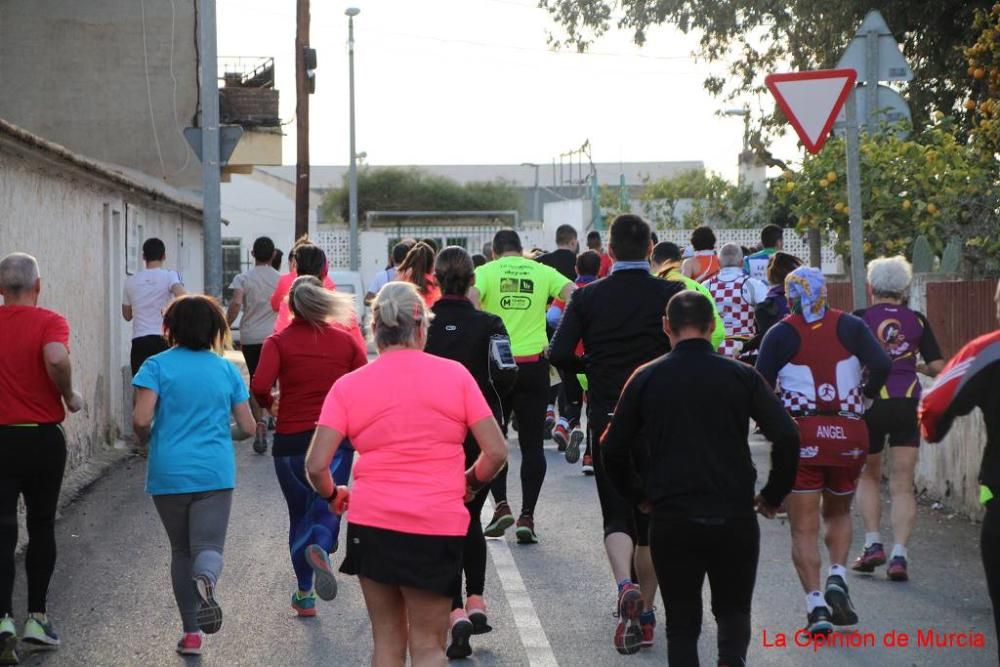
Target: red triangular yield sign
812, 100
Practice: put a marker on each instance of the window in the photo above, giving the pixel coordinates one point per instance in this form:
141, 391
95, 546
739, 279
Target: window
232, 264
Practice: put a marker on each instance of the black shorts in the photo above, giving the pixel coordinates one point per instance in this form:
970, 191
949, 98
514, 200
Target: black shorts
251, 354
895, 418
143, 348
426, 562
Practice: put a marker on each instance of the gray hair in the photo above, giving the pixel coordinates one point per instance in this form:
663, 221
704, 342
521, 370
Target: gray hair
18, 273
310, 301
890, 276
399, 316
730, 254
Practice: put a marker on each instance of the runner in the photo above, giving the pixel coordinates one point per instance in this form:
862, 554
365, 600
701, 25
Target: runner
407, 519
305, 359
595, 243
735, 296
903, 333
252, 292
145, 296
665, 262
691, 468
417, 268
567, 392
814, 358
313, 264
184, 400
518, 289
460, 332
620, 321
37, 386
970, 380
703, 264
388, 274
772, 239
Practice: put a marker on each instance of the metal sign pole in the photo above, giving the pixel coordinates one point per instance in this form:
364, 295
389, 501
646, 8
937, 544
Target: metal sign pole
854, 203
871, 79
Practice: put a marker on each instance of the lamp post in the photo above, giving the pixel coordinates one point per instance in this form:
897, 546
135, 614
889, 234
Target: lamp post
351, 12
536, 214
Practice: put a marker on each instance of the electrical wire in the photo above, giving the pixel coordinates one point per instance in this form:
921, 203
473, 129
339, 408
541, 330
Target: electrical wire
149, 91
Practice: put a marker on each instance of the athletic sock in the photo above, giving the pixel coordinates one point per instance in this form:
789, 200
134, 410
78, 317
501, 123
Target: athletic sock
873, 538
838, 571
898, 550
563, 422
647, 617
813, 600
623, 583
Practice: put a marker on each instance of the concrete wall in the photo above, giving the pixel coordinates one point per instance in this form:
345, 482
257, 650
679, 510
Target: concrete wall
74, 223
76, 73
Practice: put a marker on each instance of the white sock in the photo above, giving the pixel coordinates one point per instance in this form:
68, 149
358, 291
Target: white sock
813, 600
838, 571
898, 550
563, 422
872, 538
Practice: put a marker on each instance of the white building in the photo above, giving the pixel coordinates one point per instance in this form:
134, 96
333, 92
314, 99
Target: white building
86, 221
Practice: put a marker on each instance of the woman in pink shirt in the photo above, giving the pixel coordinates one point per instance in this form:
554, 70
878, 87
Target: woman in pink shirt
418, 268
407, 514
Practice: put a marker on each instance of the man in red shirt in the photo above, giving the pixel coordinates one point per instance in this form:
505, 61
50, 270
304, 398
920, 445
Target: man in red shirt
35, 382
595, 243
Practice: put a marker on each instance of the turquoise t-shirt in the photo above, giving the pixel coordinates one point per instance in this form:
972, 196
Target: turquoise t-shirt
191, 448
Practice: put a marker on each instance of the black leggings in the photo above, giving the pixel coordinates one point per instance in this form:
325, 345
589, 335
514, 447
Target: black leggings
989, 545
473, 554
684, 551
32, 461
570, 398
528, 402
619, 515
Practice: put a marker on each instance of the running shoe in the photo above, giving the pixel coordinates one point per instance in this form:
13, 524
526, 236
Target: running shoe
190, 644
39, 631
897, 569
588, 465
628, 631
818, 622
260, 438
560, 434
647, 623
209, 616
870, 558
502, 519
576, 438
304, 605
323, 578
550, 422
475, 609
837, 597
526, 530
461, 631
8, 641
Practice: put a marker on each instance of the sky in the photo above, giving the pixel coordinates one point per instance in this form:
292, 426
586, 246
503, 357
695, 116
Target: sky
474, 82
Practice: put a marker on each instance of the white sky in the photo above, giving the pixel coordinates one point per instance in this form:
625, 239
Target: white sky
473, 82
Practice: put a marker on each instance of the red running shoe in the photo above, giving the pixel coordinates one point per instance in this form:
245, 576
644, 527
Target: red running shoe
647, 623
190, 644
897, 569
628, 632
870, 558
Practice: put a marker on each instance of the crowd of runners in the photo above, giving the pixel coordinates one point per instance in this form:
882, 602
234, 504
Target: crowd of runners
648, 364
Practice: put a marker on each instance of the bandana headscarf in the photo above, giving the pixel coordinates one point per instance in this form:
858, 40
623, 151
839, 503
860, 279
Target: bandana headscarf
806, 292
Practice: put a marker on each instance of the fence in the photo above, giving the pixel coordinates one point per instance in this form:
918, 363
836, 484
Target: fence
959, 311
749, 238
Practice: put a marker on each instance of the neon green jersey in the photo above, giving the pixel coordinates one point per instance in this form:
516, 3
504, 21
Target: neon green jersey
518, 290
719, 335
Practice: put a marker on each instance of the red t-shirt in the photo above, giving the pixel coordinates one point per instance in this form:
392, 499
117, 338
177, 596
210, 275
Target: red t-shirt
606, 264
306, 361
29, 395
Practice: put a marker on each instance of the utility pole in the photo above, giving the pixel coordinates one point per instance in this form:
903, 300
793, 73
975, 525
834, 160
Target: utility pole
211, 207
858, 281
352, 203
301, 119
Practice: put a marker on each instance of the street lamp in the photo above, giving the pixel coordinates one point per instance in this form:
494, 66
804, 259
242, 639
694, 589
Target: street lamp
351, 12
535, 212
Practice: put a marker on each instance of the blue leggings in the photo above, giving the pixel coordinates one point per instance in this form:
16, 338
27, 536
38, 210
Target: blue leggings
310, 520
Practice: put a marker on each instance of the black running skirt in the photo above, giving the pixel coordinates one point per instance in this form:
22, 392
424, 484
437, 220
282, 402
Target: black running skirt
425, 562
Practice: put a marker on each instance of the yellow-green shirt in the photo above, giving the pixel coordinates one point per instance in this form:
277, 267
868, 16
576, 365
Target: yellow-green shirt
719, 335
518, 290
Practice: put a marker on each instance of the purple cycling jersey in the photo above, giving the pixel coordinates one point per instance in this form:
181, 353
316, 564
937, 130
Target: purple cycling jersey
901, 332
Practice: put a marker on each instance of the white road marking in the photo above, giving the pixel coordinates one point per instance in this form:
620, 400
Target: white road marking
529, 627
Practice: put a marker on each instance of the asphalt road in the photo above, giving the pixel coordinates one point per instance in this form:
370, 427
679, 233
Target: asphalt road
551, 603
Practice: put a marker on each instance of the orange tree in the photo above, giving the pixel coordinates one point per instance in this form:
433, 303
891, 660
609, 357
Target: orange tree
983, 105
931, 184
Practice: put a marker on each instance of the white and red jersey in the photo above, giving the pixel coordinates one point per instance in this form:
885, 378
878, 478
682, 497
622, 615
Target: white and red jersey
735, 296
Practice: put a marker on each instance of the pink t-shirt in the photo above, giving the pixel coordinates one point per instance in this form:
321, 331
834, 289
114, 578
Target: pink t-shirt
407, 414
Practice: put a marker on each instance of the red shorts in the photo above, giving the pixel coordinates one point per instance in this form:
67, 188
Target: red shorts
838, 480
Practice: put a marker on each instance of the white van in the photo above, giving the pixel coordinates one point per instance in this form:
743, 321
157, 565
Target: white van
350, 283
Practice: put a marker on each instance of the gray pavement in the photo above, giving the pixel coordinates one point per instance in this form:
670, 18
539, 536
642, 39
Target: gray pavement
112, 603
